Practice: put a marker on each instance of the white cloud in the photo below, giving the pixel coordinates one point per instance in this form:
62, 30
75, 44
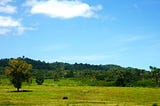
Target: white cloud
21, 29
62, 8
8, 22
8, 9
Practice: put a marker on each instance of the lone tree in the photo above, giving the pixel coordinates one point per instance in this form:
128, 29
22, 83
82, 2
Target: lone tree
17, 72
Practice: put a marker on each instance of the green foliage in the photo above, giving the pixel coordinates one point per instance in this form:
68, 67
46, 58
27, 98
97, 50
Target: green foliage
39, 78
125, 78
145, 83
2, 71
56, 76
17, 72
104, 75
156, 75
69, 74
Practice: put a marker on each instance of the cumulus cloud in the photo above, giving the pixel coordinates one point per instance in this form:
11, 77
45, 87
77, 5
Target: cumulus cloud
8, 24
62, 8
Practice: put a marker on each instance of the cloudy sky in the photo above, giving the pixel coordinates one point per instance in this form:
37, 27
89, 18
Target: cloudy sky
122, 32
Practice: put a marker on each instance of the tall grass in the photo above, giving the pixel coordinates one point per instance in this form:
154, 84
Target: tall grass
51, 94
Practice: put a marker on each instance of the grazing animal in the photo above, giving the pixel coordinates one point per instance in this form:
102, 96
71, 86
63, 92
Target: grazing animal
65, 97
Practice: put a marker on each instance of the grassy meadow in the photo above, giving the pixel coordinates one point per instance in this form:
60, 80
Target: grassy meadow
51, 94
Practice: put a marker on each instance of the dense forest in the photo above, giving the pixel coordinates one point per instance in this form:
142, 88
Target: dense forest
92, 75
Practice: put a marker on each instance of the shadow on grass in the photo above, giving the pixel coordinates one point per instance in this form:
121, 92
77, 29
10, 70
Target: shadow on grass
21, 91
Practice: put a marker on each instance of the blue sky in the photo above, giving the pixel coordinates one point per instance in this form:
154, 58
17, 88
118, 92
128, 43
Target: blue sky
122, 32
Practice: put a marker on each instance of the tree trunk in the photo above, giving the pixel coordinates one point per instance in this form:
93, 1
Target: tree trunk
17, 89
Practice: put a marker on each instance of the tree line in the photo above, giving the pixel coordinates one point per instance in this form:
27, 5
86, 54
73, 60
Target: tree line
93, 75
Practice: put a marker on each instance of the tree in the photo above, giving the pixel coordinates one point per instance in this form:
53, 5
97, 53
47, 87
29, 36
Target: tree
39, 78
18, 72
56, 76
70, 74
156, 75
120, 78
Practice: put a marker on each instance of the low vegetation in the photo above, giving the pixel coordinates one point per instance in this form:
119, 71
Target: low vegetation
51, 94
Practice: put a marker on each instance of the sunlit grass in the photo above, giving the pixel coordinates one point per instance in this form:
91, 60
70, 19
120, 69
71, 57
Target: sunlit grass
51, 94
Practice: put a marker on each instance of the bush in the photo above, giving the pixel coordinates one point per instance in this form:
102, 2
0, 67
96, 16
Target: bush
39, 78
145, 83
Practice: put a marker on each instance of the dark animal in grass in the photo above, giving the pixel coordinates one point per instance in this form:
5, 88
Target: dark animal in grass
155, 104
65, 97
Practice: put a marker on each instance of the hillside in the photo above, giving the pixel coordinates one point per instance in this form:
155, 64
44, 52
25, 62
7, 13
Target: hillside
94, 75
42, 65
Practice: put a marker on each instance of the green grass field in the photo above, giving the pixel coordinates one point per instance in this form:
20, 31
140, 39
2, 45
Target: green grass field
51, 94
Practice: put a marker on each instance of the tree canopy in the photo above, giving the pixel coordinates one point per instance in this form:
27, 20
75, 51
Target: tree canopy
17, 72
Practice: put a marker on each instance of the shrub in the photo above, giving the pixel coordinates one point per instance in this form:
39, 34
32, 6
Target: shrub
39, 78
145, 83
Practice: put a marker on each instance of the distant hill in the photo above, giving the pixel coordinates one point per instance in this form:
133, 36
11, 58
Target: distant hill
42, 65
